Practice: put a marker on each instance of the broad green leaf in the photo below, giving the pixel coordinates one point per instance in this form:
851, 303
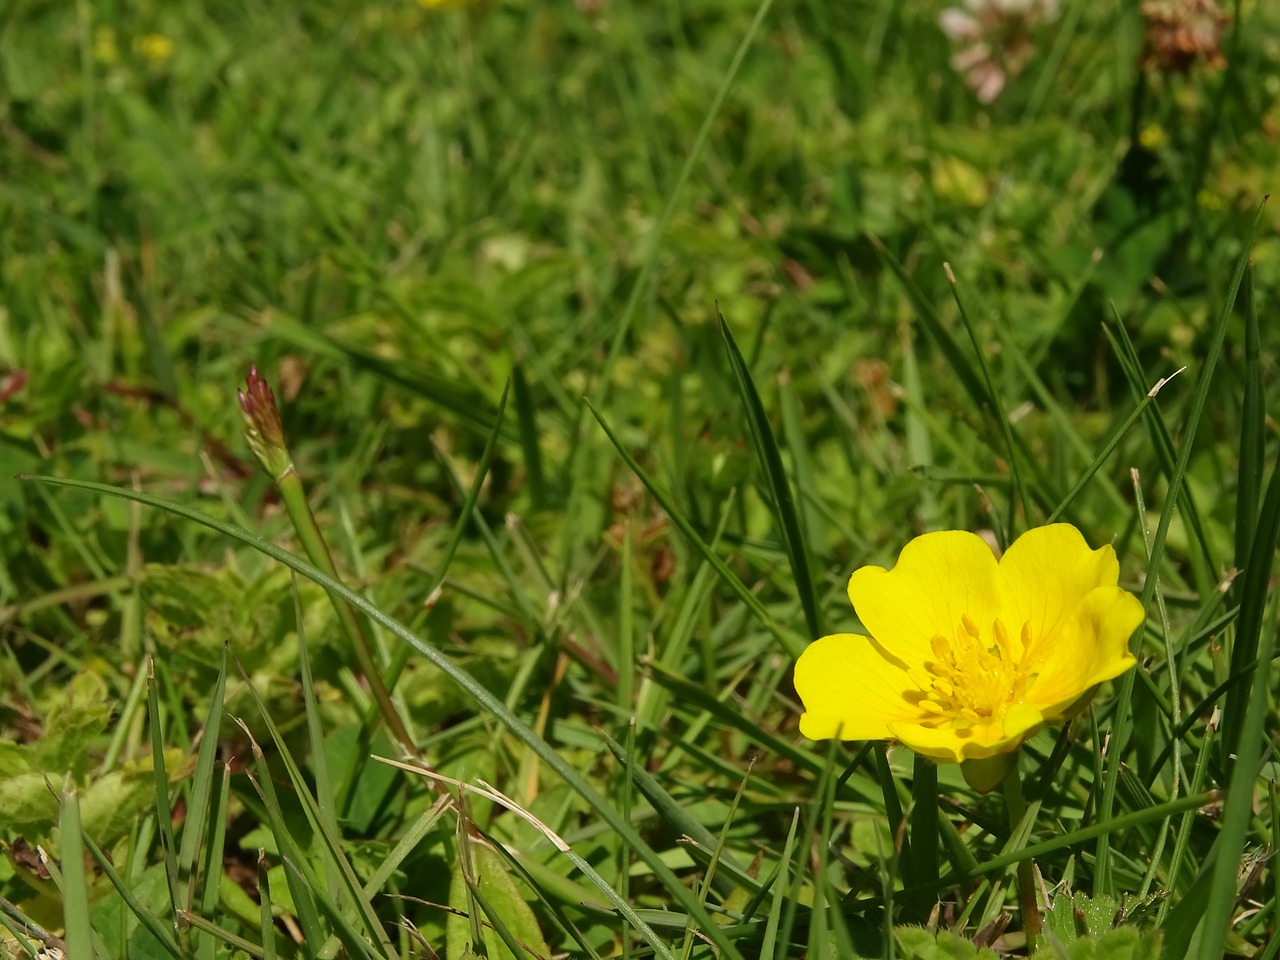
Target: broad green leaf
503, 896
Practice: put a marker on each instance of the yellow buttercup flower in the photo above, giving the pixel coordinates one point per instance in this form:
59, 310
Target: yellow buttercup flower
967, 656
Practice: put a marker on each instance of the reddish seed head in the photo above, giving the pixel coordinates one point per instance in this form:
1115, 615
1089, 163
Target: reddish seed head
263, 428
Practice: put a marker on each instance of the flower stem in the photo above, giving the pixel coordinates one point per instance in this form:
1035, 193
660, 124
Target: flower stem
313, 543
1032, 922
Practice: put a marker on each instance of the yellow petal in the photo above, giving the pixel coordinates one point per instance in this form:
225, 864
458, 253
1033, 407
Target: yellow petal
952, 744
939, 579
1093, 646
1044, 576
849, 689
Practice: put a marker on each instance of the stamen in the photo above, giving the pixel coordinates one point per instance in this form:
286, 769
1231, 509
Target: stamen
942, 650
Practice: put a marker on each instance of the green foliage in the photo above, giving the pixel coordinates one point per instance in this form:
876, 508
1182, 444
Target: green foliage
482, 254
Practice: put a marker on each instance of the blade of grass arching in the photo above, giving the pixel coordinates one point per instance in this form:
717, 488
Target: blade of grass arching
267, 925
335, 859
768, 946
784, 505
997, 405
656, 236
201, 788
527, 421
75, 881
210, 892
162, 931
160, 780
791, 644
468, 684
1237, 811
1120, 723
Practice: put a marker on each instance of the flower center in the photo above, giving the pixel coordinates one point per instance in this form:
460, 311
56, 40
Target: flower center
974, 678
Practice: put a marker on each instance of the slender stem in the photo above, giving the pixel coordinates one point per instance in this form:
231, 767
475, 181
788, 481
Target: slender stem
1032, 922
313, 542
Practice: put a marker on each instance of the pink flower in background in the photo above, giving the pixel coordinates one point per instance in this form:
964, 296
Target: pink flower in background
994, 40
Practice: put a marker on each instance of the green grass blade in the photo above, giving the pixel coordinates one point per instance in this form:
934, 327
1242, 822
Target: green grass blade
1252, 437
791, 643
957, 361
75, 881
303, 889
155, 926
666, 806
213, 869
267, 926
201, 788
996, 403
335, 858
485, 700
1250, 726
768, 946
473, 494
526, 420
659, 231
1176, 480
160, 777
784, 504
924, 817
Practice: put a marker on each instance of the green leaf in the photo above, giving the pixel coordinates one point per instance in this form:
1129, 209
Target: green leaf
77, 721
503, 903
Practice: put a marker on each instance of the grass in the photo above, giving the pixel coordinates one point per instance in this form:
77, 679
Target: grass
609, 339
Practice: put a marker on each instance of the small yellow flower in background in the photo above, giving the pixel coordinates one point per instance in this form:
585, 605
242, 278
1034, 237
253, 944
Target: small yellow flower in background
1153, 136
442, 4
968, 656
155, 48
